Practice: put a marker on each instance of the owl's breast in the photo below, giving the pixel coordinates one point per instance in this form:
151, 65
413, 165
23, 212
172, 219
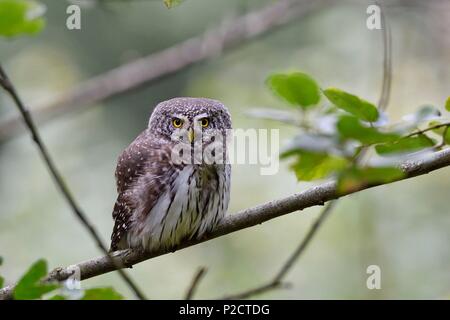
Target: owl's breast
193, 204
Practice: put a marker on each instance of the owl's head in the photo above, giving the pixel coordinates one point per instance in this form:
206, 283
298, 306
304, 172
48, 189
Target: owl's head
190, 117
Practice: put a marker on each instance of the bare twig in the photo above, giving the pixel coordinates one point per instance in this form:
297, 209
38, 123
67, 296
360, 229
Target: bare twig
277, 281
195, 282
6, 84
314, 196
304, 243
387, 61
271, 285
422, 131
156, 66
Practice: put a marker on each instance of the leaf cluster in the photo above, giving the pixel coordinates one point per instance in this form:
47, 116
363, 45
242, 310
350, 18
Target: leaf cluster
335, 125
32, 286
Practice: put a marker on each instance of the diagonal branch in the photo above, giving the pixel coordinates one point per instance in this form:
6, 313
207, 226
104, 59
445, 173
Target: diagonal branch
277, 281
156, 66
315, 196
7, 85
195, 282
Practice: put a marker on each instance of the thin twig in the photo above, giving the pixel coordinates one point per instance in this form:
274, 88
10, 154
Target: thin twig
277, 281
257, 290
387, 60
11, 90
194, 283
306, 240
422, 131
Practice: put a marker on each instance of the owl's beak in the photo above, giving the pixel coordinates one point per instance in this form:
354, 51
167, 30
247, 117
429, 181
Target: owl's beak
191, 135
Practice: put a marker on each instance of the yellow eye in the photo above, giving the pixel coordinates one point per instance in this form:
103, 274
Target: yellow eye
204, 122
177, 123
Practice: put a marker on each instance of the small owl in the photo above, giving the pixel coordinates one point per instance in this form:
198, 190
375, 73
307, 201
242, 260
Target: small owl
165, 194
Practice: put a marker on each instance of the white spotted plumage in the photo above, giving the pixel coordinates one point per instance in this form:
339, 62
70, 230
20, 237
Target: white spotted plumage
178, 213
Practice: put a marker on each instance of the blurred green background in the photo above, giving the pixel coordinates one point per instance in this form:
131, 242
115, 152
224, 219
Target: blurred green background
404, 228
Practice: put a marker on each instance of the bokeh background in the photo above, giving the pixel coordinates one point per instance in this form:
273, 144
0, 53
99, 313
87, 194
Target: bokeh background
404, 228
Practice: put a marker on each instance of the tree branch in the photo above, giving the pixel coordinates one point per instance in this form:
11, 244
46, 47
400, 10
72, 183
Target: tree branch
195, 282
387, 60
153, 67
277, 281
7, 85
315, 196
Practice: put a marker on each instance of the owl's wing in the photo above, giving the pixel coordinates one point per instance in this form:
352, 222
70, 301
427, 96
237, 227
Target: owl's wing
121, 215
139, 176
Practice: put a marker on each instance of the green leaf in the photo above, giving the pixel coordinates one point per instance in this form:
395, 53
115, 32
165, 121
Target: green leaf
2, 280
312, 166
447, 104
354, 178
405, 145
30, 285
446, 135
106, 293
172, 3
20, 17
297, 88
360, 108
351, 128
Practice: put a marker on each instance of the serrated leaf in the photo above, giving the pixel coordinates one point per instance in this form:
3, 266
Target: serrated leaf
312, 166
360, 108
351, 128
2, 280
355, 178
57, 297
447, 104
1, 260
106, 293
20, 17
298, 89
30, 285
172, 3
405, 145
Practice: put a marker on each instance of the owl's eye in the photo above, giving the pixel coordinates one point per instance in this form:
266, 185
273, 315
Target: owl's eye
177, 123
204, 122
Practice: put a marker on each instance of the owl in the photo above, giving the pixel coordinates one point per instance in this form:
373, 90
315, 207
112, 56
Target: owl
166, 193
